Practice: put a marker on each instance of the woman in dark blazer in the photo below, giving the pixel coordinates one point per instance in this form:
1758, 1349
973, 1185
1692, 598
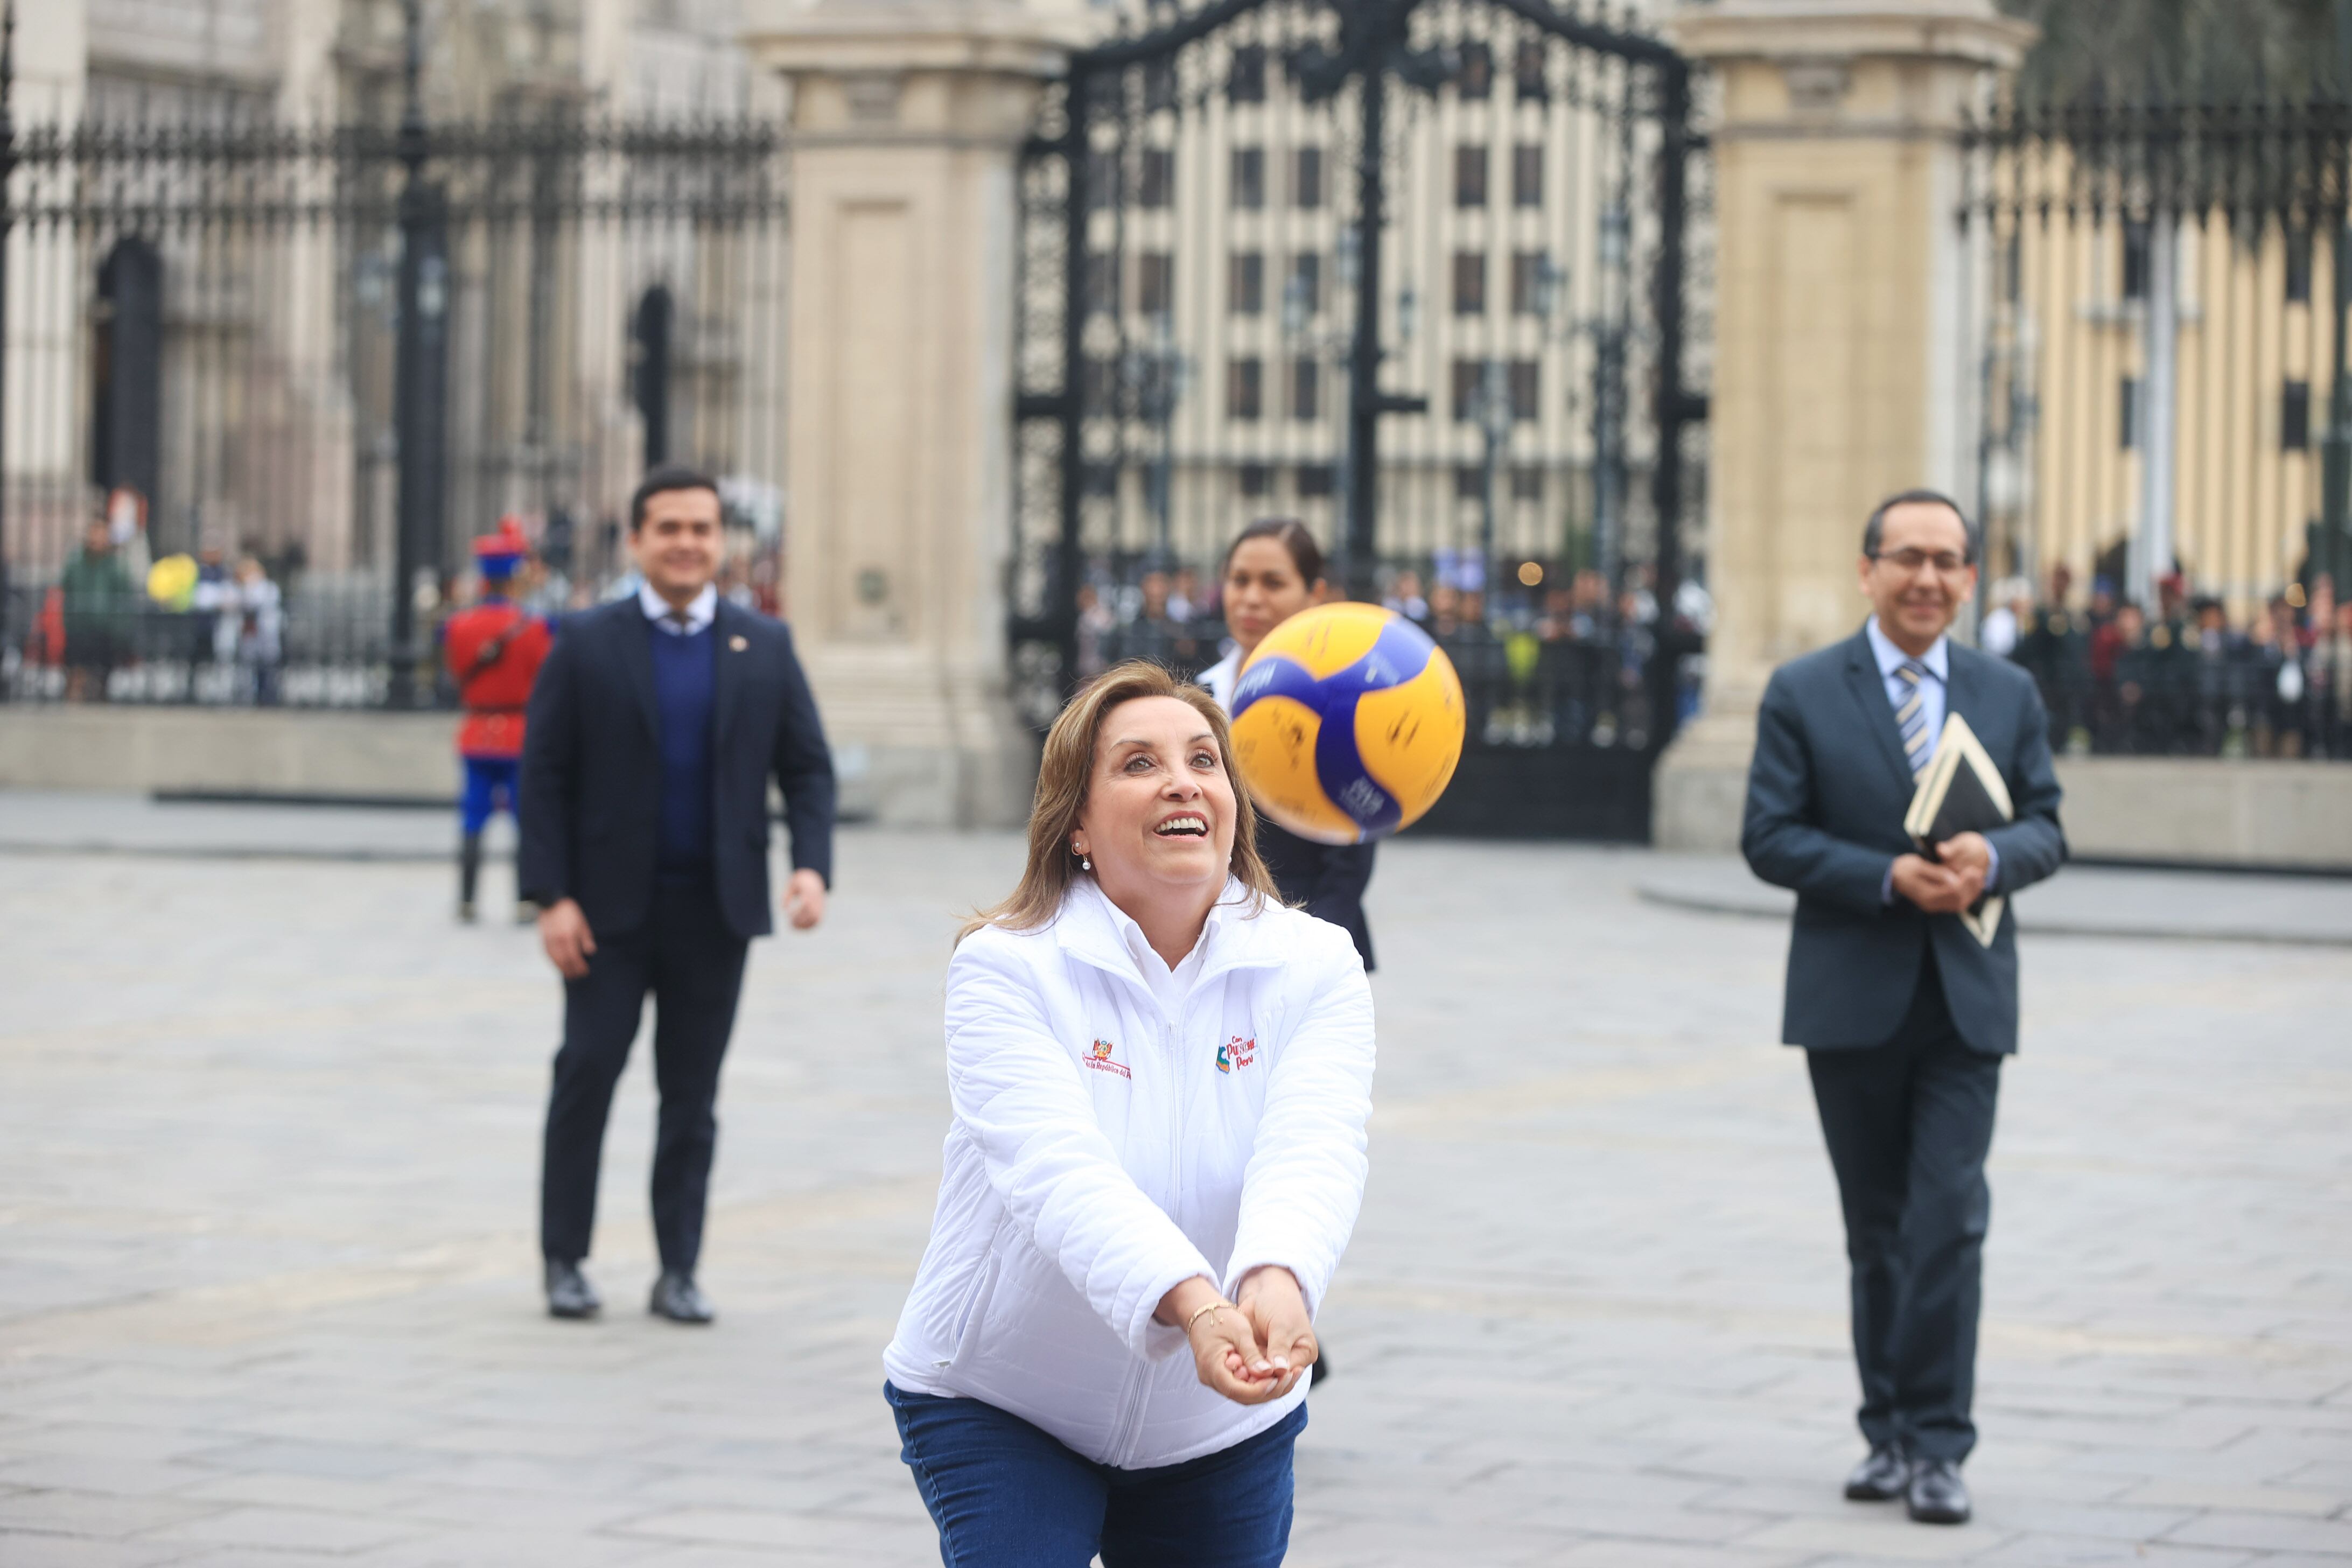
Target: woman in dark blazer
1273, 569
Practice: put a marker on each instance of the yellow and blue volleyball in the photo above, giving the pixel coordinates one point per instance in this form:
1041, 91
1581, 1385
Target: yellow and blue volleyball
1347, 724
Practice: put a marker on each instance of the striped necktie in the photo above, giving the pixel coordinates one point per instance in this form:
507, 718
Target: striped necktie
1911, 717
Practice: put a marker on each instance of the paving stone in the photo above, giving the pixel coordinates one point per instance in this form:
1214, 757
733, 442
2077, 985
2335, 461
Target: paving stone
267, 1273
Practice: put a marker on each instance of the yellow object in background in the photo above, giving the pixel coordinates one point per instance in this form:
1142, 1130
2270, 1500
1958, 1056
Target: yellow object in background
172, 581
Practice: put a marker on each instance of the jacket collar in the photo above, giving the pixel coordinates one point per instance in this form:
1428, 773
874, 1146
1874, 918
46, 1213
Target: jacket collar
1868, 688
1091, 928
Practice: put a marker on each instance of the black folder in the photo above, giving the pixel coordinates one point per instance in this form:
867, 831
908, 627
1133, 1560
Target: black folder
1961, 791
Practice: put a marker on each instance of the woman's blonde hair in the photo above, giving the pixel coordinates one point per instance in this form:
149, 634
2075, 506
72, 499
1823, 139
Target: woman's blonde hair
1063, 773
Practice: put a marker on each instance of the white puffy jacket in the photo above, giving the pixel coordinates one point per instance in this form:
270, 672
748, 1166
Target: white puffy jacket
1103, 1153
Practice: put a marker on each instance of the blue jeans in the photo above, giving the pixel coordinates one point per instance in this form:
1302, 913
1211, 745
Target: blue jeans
1006, 1495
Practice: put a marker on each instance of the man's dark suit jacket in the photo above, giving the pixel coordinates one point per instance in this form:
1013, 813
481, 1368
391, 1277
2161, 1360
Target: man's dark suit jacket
1826, 797
592, 771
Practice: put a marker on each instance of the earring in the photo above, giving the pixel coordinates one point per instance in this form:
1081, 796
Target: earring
1084, 864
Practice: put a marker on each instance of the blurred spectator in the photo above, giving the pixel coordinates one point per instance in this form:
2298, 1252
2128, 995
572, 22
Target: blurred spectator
99, 602
2330, 679
1445, 611
259, 612
1095, 623
1405, 599
2220, 655
2005, 624
1184, 597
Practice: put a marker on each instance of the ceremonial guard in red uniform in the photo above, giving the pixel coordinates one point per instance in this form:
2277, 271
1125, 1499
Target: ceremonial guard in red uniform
494, 650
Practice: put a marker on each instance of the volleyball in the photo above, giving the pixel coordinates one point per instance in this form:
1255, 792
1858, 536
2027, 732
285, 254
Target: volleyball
1347, 724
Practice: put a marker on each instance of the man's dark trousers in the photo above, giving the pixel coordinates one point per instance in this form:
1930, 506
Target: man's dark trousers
1908, 1124
691, 963
1904, 1016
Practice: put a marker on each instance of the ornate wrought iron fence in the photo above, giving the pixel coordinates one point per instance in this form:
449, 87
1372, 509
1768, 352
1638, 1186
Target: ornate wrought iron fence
336, 355
1412, 272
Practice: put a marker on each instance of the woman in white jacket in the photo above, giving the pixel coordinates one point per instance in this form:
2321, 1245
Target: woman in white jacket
1159, 1078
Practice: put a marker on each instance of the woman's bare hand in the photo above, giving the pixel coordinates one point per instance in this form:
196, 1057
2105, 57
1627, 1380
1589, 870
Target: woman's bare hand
1225, 1349
1277, 1309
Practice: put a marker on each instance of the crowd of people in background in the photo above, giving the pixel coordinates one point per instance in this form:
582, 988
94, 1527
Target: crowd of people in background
2183, 678
1547, 655
114, 607
120, 621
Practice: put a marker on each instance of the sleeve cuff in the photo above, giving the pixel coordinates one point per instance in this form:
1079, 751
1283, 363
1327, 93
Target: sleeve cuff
1992, 868
1886, 888
1154, 1339
1308, 1290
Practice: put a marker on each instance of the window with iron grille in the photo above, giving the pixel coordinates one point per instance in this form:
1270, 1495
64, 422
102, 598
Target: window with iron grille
2135, 261
1307, 279
1098, 383
1104, 183
1526, 383
1306, 389
1469, 481
1102, 283
1470, 175
1526, 483
1307, 179
1313, 480
2295, 417
1476, 78
1249, 178
1526, 282
1254, 479
2128, 414
1160, 87
1155, 282
1527, 174
1245, 283
1245, 388
1469, 282
1469, 383
2298, 266
1156, 186
1528, 71
1246, 80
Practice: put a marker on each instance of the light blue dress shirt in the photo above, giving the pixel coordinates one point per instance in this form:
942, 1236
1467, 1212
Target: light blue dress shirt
1934, 702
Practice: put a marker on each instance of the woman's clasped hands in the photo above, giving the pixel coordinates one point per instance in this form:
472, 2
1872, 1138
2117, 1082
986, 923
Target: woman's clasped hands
1253, 1350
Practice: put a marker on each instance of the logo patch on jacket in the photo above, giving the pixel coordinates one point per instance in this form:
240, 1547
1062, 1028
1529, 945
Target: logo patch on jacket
1237, 1053
1098, 1057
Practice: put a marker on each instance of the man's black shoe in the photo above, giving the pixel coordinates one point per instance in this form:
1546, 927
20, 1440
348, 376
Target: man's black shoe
569, 1294
1937, 1495
676, 1298
1881, 1477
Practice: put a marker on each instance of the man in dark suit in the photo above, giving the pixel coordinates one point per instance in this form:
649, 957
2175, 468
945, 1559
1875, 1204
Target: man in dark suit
1904, 1016
652, 734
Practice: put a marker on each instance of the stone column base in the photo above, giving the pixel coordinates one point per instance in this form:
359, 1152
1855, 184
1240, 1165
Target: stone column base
914, 749
1701, 784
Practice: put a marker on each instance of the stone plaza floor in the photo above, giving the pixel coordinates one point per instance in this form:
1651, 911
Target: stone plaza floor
267, 1164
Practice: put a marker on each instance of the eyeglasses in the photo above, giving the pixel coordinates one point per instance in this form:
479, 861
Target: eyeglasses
1909, 562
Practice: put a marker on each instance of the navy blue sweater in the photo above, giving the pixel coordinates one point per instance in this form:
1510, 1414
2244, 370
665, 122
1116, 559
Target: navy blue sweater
685, 680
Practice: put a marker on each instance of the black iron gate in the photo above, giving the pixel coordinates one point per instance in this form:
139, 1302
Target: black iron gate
1412, 271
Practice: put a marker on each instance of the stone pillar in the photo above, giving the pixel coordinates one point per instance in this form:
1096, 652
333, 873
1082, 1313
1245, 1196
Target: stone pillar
1839, 371
906, 118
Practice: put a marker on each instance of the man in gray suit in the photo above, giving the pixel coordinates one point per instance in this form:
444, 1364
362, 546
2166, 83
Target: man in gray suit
1904, 1016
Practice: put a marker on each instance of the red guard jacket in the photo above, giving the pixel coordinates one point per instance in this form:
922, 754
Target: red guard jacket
494, 652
